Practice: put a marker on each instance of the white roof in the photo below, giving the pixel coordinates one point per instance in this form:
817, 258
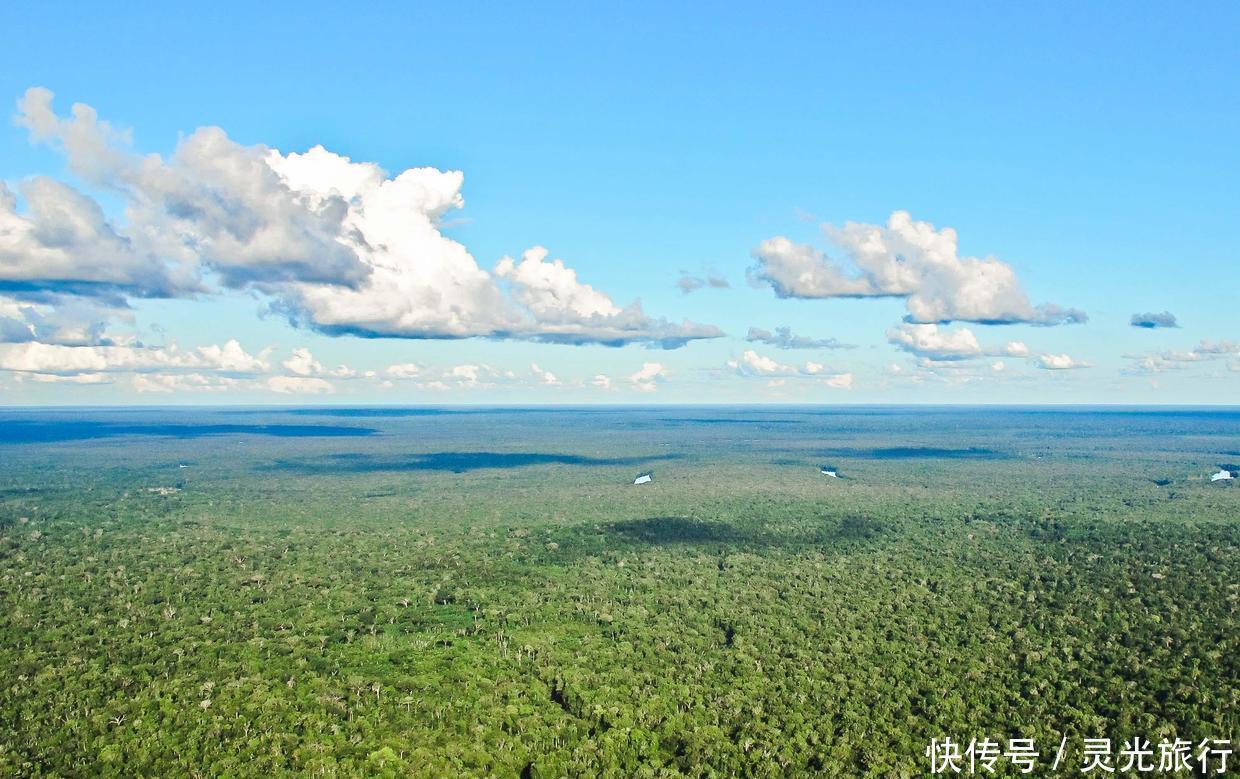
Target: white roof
645, 477
1221, 475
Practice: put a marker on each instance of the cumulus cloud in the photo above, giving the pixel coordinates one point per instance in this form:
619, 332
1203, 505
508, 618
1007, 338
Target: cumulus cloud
688, 283
303, 363
35, 357
1059, 362
72, 321
953, 353
404, 370
784, 338
170, 368
63, 244
647, 378
466, 376
231, 358
74, 378
1015, 349
544, 377
476, 375
937, 348
183, 382
299, 385
751, 364
471, 376
1150, 321
1177, 359
336, 245
213, 201
839, 381
935, 343
910, 260
15, 321
567, 310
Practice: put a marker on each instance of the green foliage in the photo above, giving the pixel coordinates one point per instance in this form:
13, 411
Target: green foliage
738, 616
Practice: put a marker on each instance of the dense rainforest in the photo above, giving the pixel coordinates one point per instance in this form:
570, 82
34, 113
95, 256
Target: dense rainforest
415, 594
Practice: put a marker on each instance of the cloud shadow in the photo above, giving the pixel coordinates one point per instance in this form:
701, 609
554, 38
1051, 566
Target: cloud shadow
53, 431
455, 462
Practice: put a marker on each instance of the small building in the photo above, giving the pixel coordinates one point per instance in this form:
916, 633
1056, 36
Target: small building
829, 470
1224, 474
644, 478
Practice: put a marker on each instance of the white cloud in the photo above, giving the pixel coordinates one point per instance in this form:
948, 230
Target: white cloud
472, 376
935, 343
551, 291
1016, 349
569, 311
910, 260
299, 385
404, 370
183, 382
601, 381
469, 375
1177, 359
303, 363
546, 378
75, 378
466, 376
63, 244
213, 202
72, 321
839, 381
336, 245
37, 357
231, 357
15, 324
1059, 362
647, 378
752, 363
944, 351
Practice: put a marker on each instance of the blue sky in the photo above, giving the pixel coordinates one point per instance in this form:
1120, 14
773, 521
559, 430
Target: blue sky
1089, 150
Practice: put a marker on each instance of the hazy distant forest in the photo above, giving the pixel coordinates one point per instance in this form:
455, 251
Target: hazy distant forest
440, 593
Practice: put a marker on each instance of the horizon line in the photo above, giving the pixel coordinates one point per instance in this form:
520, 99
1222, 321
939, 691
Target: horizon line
566, 406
